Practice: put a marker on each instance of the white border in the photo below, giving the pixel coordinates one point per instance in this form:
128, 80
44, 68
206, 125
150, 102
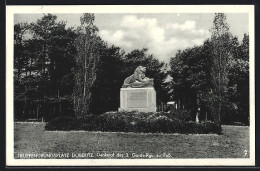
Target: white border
11, 10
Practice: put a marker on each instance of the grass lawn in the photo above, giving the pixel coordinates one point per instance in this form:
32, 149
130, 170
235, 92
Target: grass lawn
32, 138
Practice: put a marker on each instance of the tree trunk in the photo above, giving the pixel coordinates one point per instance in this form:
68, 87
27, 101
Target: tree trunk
37, 112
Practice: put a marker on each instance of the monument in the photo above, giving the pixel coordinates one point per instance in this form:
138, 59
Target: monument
137, 92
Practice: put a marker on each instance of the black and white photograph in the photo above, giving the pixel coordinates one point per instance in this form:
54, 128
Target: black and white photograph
130, 85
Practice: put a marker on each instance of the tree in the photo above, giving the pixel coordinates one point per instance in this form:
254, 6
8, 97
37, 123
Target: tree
109, 80
215, 74
244, 48
46, 57
221, 41
88, 54
20, 59
190, 72
238, 87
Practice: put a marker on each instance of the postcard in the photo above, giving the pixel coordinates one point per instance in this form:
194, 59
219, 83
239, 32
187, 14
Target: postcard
130, 85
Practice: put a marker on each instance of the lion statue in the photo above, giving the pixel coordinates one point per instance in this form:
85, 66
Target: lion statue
138, 79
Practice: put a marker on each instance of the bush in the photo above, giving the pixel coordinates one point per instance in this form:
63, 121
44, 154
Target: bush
181, 114
161, 124
112, 122
157, 122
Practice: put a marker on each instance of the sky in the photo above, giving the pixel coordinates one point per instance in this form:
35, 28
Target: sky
163, 34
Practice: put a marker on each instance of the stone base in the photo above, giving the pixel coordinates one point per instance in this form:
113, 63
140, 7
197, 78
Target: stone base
138, 99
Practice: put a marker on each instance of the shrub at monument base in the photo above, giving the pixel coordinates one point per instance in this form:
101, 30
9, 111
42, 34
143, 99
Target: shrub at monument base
154, 123
158, 122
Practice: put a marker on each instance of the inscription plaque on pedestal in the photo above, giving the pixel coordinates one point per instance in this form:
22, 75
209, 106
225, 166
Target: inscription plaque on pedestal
138, 99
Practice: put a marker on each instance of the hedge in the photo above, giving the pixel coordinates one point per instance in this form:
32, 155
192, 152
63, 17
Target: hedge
157, 122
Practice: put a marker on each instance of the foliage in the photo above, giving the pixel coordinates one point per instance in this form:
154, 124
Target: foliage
59, 70
108, 82
140, 122
87, 44
20, 59
180, 114
221, 52
43, 58
55, 62
238, 86
212, 76
190, 70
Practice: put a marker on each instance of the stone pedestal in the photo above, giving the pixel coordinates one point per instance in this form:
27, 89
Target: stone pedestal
138, 99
